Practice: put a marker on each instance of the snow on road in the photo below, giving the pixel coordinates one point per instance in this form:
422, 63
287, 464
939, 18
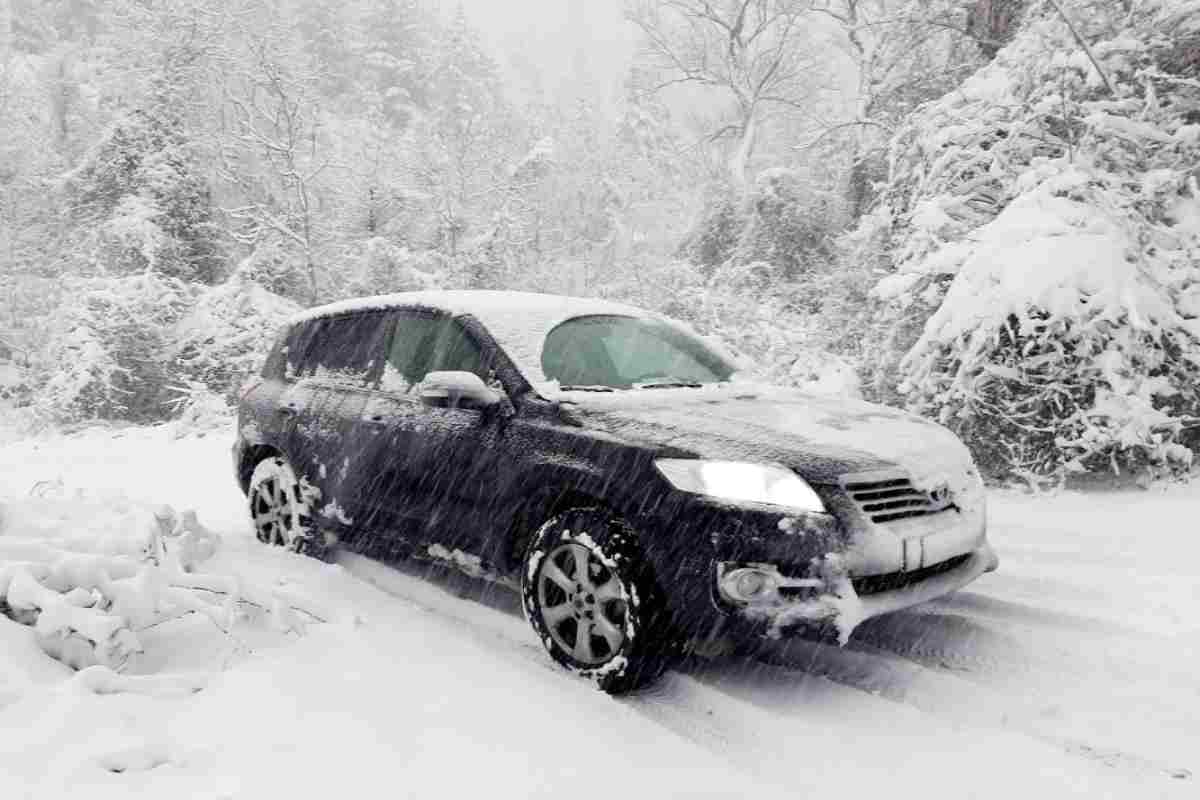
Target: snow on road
1070, 672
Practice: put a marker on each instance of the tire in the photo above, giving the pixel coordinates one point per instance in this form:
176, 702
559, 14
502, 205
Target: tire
281, 509
628, 641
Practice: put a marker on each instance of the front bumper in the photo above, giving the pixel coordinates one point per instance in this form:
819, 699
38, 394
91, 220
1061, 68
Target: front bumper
834, 600
825, 571
936, 555
978, 561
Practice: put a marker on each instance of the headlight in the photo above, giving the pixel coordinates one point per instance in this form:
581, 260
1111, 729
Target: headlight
740, 480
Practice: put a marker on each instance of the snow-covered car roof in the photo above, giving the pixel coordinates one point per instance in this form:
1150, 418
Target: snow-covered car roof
519, 321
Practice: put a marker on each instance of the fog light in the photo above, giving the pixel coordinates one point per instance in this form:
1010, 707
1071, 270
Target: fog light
747, 584
750, 583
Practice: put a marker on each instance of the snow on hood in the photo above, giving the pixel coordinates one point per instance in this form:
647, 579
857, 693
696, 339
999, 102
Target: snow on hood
820, 437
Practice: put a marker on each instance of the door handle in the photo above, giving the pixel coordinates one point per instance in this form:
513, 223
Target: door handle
286, 411
377, 420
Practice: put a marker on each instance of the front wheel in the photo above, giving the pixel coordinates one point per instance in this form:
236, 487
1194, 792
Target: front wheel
592, 600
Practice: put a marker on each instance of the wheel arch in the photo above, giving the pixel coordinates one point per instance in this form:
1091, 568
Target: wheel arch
250, 459
550, 499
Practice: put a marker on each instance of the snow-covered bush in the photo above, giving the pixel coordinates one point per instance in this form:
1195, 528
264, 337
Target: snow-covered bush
788, 225
199, 410
226, 335
278, 266
91, 572
380, 266
104, 360
714, 235
782, 221
1044, 225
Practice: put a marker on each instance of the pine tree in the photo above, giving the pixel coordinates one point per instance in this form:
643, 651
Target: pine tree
142, 188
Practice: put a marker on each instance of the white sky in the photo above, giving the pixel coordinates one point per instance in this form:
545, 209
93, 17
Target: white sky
564, 48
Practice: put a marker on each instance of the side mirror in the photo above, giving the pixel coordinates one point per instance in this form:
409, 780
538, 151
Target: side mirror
457, 390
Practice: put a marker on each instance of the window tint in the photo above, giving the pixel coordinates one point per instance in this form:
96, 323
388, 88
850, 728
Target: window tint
295, 347
412, 345
345, 349
458, 351
423, 343
619, 352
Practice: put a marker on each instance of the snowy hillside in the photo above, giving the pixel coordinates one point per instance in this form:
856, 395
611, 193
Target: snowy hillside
1068, 674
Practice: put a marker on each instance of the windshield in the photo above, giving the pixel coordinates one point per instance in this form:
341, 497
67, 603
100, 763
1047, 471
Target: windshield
617, 352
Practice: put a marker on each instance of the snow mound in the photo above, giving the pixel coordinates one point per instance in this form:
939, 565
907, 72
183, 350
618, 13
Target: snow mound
90, 573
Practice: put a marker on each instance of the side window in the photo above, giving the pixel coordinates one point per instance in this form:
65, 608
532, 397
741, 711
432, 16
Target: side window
424, 343
411, 351
295, 346
347, 349
276, 363
459, 352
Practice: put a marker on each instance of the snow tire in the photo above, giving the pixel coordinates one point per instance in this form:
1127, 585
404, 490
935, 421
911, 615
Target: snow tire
281, 505
591, 597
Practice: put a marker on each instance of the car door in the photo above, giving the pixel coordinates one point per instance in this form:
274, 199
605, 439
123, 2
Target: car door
432, 464
373, 483
342, 369
460, 450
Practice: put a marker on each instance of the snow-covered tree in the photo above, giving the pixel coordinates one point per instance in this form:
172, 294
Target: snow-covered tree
143, 193
754, 56
226, 334
1043, 224
105, 358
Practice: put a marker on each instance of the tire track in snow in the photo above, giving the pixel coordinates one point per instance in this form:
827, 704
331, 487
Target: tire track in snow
936, 663
489, 611
734, 731
915, 659
728, 728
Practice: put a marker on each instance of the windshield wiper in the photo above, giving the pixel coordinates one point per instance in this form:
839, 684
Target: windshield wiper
586, 388
671, 384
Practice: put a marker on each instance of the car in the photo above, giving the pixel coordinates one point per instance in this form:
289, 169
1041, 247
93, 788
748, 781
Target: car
643, 494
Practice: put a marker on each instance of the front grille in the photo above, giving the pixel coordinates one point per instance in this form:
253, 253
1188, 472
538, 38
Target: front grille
874, 584
891, 499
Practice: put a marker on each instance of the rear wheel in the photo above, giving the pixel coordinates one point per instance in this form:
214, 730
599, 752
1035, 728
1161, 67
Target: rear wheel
591, 598
281, 508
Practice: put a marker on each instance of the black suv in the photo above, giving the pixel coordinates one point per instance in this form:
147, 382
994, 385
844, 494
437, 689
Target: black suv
609, 463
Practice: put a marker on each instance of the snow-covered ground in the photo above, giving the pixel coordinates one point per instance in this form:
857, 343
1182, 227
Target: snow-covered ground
1071, 672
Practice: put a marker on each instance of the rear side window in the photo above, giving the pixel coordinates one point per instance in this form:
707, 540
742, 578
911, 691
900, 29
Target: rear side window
292, 349
275, 365
348, 349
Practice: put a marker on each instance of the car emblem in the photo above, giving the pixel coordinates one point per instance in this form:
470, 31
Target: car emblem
940, 497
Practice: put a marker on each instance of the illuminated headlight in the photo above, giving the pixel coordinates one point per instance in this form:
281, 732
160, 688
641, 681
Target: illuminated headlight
741, 480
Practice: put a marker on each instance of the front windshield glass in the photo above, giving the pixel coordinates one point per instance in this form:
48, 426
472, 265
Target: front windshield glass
616, 352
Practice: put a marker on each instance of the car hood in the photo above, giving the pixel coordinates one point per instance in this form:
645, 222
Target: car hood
820, 437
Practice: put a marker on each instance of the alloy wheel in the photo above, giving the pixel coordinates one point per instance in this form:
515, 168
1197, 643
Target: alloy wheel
583, 604
274, 509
